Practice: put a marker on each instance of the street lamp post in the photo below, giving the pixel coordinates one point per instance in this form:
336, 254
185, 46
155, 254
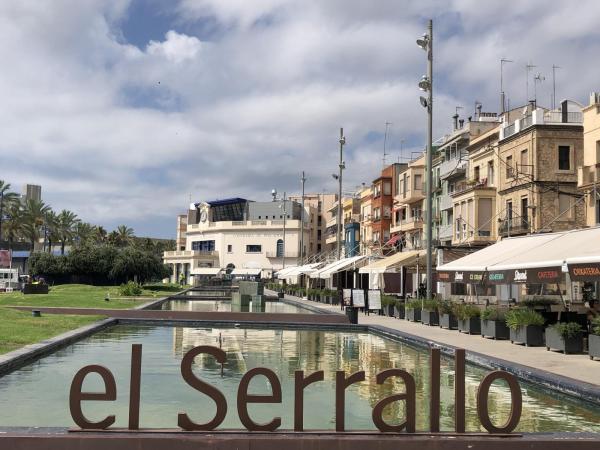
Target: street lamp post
1, 213
342, 166
426, 84
284, 222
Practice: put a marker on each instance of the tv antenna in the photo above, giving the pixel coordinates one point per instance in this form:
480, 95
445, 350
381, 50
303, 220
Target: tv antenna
502, 95
537, 79
554, 67
528, 68
387, 124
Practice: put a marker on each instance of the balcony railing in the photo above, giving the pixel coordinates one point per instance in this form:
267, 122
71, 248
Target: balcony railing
445, 231
510, 227
293, 254
189, 253
588, 175
541, 117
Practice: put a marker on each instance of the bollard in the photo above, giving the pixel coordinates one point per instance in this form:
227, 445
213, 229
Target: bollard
352, 314
36, 313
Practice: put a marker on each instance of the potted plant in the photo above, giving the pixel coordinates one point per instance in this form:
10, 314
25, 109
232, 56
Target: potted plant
526, 327
430, 315
388, 302
544, 306
566, 337
413, 310
468, 318
447, 317
493, 323
594, 339
399, 310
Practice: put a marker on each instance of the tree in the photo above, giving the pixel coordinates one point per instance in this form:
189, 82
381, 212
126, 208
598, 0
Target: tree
34, 215
13, 226
67, 222
124, 235
7, 199
83, 232
100, 234
51, 228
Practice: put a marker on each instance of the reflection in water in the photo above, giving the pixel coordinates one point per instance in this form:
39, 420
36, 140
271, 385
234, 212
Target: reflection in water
227, 306
41, 389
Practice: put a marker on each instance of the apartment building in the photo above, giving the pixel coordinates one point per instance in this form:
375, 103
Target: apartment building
316, 210
181, 230
407, 227
365, 196
589, 174
539, 154
351, 215
474, 199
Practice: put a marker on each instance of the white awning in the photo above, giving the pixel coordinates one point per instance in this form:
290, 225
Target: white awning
299, 270
283, 273
393, 262
206, 271
338, 266
252, 272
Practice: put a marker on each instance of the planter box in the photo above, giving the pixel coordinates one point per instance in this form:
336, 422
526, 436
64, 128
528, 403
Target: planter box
594, 346
431, 318
448, 321
389, 310
35, 288
471, 325
494, 329
555, 341
413, 315
399, 312
530, 335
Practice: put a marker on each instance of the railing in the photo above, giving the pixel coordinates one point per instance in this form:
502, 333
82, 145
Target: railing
526, 121
294, 254
514, 226
258, 222
587, 175
445, 231
510, 130
188, 253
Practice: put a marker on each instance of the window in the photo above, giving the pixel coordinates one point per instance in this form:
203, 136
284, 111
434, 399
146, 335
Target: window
509, 167
418, 185
476, 173
229, 248
279, 248
509, 211
524, 161
564, 205
597, 151
490, 173
203, 246
259, 217
387, 188
319, 248
319, 220
524, 213
318, 235
253, 248
564, 157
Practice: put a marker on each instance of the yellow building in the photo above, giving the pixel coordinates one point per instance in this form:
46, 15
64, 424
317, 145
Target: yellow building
408, 204
589, 174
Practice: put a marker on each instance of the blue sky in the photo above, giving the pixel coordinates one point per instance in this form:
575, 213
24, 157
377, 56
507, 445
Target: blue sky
123, 109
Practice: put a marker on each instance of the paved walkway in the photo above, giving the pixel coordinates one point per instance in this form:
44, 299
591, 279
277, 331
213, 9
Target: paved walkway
578, 367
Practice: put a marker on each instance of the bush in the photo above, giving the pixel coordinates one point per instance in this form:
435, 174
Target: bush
519, 317
130, 289
537, 302
430, 304
493, 313
464, 311
413, 304
596, 326
387, 300
567, 329
446, 307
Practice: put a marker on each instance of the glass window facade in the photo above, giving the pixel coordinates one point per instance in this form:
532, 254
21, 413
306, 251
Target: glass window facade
203, 246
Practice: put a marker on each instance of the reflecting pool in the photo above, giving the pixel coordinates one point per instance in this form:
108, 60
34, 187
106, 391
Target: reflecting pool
37, 395
227, 306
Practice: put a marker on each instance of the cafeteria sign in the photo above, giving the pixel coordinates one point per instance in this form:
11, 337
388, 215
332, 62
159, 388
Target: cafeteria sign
302, 381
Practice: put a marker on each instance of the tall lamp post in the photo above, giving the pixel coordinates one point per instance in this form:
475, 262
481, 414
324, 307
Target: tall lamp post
1, 213
284, 209
342, 166
426, 85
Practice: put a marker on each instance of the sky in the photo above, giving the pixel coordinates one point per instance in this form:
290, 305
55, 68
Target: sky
124, 110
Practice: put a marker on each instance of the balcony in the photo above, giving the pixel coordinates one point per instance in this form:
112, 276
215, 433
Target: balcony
445, 202
445, 232
478, 185
513, 227
410, 196
453, 168
541, 117
247, 224
410, 224
588, 175
292, 254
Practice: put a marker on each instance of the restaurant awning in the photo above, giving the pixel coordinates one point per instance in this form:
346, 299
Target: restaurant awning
252, 272
206, 271
391, 263
301, 270
338, 266
283, 273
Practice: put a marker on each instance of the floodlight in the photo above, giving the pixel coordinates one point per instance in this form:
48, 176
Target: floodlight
424, 84
423, 42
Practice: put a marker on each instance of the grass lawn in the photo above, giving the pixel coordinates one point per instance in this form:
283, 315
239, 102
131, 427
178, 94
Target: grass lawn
19, 328
81, 296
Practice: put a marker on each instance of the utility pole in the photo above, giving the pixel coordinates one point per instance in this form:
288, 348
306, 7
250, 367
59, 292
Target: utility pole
502, 95
342, 142
1, 213
303, 180
528, 68
554, 67
284, 222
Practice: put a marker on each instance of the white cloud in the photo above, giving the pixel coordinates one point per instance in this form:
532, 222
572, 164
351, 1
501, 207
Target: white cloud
124, 134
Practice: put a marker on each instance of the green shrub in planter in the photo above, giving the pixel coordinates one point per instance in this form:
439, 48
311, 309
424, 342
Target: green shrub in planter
566, 337
493, 323
594, 339
388, 303
430, 315
447, 316
526, 326
413, 310
468, 318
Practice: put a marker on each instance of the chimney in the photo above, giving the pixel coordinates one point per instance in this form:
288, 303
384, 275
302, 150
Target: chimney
462, 122
455, 117
478, 111
564, 109
532, 105
594, 98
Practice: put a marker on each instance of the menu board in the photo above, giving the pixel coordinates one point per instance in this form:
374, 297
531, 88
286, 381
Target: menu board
374, 299
358, 298
347, 297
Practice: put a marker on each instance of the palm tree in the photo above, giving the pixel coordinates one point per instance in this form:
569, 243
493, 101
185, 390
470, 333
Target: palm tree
13, 226
124, 235
100, 233
51, 228
83, 232
7, 198
67, 222
33, 218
